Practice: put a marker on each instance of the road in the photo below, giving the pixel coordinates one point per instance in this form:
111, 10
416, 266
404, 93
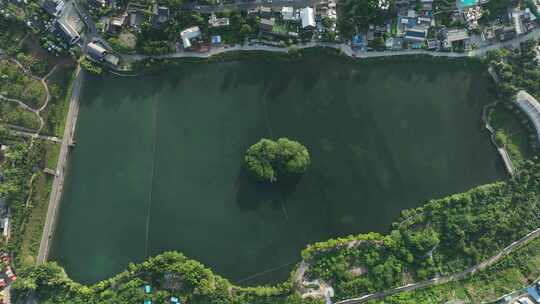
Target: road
61, 168
344, 48
244, 6
441, 280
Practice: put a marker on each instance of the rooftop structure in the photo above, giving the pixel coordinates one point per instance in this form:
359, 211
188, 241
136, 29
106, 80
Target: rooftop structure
533, 293
531, 107
415, 34
53, 7
95, 50
66, 32
188, 34
288, 13
266, 25
307, 15
112, 59
456, 35
214, 21
216, 39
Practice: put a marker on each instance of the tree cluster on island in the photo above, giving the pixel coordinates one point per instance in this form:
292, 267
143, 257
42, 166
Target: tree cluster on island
267, 160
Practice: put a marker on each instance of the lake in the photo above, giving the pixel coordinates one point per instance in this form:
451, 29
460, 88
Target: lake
158, 160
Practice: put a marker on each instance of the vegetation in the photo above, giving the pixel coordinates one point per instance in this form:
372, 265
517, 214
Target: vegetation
356, 16
170, 274
517, 70
267, 160
17, 85
512, 273
90, 66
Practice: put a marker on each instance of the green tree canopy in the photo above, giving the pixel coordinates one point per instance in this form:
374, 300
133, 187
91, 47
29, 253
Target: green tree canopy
268, 159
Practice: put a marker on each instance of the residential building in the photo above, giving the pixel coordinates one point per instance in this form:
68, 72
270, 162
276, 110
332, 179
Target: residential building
266, 25
66, 32
53, 7
189, 34
307, 15
266, 12
160, 15
95, 50
111, 59
287, 12
417, 34
214, 21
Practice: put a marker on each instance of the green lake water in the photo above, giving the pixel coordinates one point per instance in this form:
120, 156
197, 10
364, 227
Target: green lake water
158, 161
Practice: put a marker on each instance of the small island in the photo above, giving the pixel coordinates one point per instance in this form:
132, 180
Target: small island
267, 159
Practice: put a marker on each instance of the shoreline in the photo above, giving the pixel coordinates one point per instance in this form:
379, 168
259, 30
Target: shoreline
61, 168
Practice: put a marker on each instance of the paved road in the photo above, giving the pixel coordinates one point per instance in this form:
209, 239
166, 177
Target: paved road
33, 135
346, 49
457, 276
244, 6
61, 168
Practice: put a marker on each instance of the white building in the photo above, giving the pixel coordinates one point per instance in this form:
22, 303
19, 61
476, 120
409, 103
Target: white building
307, 15
531, 107
288, 13
188, 34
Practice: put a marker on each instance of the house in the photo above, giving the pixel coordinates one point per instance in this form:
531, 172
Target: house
53, 7
216, 39
358, 42
533, 293
116, 23
393, 44
95, 50
455, 35
265, 12
160, 15
307, 15
136, 18
415, 34
175, 300
66, 32
287, 12
433, 44
189, 34
218, 22
266, 25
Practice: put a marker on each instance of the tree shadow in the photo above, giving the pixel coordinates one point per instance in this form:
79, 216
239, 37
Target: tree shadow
251, 194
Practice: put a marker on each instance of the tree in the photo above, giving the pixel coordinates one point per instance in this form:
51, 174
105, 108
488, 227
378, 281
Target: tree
268, 159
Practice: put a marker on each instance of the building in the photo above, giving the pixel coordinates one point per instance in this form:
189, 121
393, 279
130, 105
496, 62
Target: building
189, 34
358, 41
216, 39
393, 44
433, 44
160, 15
287, 12
455, 35
415, 34
265, 12
533, 293
307, 15
66, 32
111, 59
116, 23
95, 50
214, 21
530, 106
53, 7
266, 25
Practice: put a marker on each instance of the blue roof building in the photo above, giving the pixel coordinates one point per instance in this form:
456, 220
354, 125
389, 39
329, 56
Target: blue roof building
358, 41
147, 289
216, 39
533, 293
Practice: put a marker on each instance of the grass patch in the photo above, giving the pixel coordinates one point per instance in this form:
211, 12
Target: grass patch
56, 112
33, 228
512, 124
53, 151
